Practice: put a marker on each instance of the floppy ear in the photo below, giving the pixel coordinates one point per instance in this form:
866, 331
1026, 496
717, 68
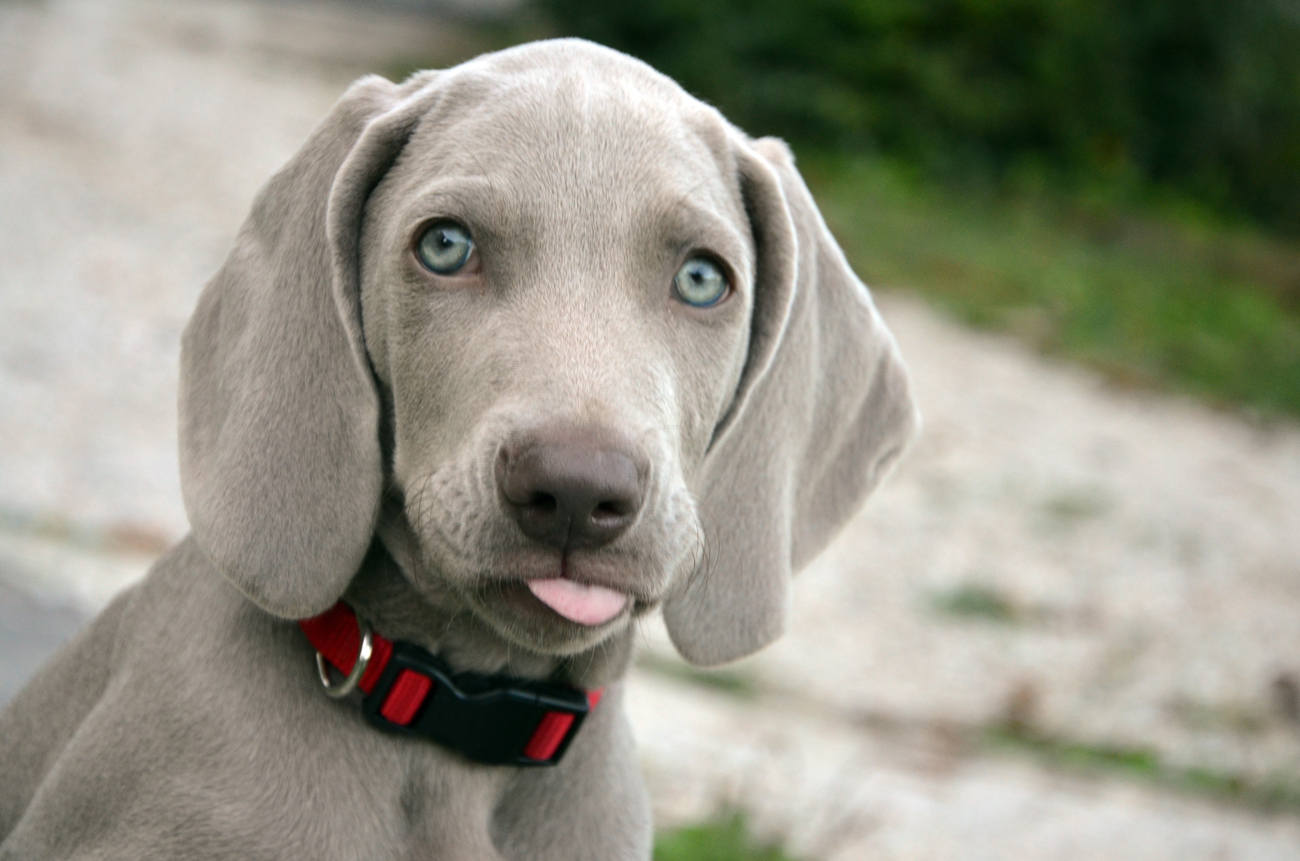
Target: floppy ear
281, 468
822, 411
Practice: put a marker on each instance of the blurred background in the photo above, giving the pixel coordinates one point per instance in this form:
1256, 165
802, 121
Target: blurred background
1068, 627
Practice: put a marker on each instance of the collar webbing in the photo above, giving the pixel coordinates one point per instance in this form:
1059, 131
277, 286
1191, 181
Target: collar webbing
497, 720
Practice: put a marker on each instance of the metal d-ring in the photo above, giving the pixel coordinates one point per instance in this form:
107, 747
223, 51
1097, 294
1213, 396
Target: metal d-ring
358, 668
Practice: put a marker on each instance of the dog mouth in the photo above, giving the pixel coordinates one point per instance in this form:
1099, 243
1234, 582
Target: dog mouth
572, 596
585, 604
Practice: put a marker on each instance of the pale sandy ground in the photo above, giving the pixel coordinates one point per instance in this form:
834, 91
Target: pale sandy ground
1148, 547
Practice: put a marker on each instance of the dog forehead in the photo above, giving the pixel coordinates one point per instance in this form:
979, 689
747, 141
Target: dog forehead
573, 128
565, 82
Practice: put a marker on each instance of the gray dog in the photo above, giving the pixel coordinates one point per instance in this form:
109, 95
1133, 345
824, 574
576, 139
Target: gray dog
505, 358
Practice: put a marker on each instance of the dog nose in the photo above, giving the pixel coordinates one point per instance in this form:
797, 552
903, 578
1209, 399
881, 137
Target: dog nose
571, 492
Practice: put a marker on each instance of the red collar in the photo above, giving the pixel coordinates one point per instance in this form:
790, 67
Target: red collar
499, 720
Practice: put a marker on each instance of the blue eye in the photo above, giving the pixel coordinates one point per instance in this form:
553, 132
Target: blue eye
444, 247
700, 282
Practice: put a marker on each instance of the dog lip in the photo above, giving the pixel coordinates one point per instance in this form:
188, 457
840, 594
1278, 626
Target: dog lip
554, 566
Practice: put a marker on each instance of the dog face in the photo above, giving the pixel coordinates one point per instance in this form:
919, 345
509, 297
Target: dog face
595, 343
553, 389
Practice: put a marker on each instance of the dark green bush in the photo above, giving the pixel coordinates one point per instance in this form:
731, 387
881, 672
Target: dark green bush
1199, 95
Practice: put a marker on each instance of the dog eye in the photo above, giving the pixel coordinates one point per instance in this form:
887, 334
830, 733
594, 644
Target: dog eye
700, 283
444, 247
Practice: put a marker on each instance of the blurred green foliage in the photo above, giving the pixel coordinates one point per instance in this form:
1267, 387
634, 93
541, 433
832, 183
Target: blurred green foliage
727, 681
1279, 793
978, 601
724, 838
1198, 95
1181, 303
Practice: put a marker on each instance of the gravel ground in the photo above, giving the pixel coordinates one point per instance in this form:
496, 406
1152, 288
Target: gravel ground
1103, 569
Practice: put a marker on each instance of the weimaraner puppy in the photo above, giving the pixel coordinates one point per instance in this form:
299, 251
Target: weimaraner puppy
505, 358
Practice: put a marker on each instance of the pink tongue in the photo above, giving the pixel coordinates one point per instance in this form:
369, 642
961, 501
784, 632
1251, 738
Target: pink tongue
586, 605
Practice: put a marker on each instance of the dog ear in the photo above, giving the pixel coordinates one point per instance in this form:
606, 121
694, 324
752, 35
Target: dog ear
281, 468
823, 410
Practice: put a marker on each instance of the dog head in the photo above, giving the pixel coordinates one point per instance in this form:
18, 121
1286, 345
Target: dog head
572, 344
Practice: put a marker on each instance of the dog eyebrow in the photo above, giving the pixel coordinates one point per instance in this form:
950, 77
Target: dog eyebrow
451, 195
688, 227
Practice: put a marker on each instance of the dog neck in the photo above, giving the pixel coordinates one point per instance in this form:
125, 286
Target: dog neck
382, 593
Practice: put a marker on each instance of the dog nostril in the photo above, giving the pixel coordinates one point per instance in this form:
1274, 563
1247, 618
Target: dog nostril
609, 510
543, 503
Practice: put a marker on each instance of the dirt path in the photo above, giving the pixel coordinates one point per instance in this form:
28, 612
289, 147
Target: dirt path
1114, 576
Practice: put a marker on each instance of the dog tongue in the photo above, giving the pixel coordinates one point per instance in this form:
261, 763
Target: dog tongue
586, 605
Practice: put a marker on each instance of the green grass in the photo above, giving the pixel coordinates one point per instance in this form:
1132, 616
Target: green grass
1280, 793
1162, 297
977, 601
727, 837
724, 838
726, 681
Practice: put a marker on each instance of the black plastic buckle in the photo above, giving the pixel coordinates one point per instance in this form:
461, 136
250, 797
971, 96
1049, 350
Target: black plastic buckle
489, 719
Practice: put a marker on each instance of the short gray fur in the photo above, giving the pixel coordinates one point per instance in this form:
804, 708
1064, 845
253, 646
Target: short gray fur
341, 413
